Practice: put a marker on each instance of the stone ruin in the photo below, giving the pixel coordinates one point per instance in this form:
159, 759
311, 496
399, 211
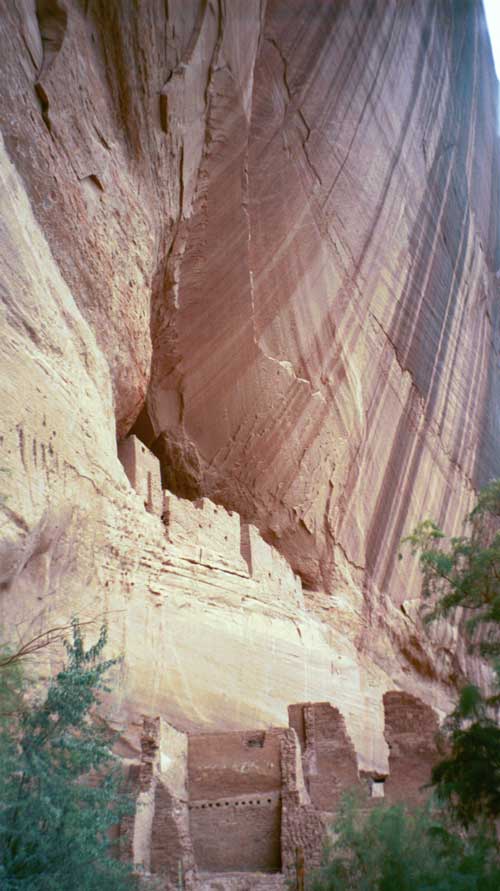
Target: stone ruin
252, 801
215, 536
143, 472
256, 801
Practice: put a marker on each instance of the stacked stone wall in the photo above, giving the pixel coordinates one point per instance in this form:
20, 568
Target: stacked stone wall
161, 837
268, 567
328, 755
207, 533
259, 801
143, 471
410, 730
302, 828
212, 532
235, 800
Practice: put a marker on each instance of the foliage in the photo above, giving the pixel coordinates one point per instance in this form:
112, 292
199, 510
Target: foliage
469, 775
61, 789
466, 575
11, 689
56, 634
3, 499
455, 849
391, 849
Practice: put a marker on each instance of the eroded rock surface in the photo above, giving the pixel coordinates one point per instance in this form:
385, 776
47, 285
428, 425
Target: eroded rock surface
333, 306
267, 241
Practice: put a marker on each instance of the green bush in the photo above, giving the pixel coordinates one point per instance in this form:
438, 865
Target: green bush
393, 849
61, 790
464, 573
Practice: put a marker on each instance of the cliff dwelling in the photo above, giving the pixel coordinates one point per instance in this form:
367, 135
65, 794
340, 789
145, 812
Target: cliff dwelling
254, 800
250, 341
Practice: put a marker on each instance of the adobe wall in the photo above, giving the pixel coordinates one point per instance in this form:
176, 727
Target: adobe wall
302, 828
161, 837
143, 471
235, 800
328, 755
410, 731
213, 531
268, 567
256, 801
243, 834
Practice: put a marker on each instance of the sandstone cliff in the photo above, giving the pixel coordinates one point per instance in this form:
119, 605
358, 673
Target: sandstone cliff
264, 237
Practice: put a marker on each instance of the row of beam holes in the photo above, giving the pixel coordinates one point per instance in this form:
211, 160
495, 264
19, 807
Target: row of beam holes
227, 803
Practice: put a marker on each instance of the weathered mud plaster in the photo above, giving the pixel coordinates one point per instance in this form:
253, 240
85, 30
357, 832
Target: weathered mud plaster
260, 801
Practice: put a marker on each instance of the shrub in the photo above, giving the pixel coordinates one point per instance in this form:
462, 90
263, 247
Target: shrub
465, 573
393, 849
61, 790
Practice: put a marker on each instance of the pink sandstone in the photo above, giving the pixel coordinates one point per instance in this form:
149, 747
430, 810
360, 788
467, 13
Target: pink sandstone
265, 242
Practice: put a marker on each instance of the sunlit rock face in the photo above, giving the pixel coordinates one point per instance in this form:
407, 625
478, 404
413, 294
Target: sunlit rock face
266, 240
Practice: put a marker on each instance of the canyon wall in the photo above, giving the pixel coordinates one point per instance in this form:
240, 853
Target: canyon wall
263, 237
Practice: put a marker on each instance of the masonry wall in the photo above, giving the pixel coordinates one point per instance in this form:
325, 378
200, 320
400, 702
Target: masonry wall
257, 801
143, 472
207, 533
302, 828
268, 567
410, 731
235, 800
161, 835
213, 531
328, 755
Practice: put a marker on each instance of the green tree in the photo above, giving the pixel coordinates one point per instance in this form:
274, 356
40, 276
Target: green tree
464, 574
451, 844
61, 790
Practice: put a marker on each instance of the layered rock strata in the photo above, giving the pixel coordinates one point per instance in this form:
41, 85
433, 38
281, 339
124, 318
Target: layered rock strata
267, 242
284, 245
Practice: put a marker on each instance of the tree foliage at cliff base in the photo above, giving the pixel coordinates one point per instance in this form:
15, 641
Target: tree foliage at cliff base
461, 580
61, 790
394, 849
452, 843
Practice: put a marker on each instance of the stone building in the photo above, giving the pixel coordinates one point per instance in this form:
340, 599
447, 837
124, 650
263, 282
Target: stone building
258, 801
231, 802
